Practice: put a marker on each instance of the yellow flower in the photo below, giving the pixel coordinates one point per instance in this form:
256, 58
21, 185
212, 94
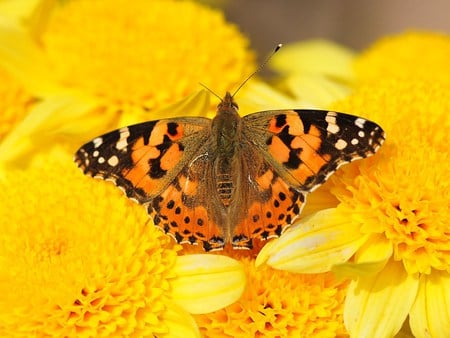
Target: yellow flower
414, 54
96, 65
315, 72
392, 218
280, 304
79, 259
389, 230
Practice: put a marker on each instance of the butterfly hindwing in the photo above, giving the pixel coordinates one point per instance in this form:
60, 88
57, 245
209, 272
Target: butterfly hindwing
188, 209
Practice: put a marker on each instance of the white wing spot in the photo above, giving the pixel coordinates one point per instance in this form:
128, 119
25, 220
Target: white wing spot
113, 161
122, 143
359, 122
340, 144
97, 142
361, 133
95, 153
354, 141
333, 128
101, 160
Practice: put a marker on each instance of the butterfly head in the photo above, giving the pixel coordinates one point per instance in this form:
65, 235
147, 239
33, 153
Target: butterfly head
228, 104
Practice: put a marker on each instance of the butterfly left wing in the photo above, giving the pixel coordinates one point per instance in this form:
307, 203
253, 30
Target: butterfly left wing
306, 146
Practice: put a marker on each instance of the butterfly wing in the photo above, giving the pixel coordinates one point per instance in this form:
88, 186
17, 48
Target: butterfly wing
164, 165
306, 146
263, 202
289, 153
144, 159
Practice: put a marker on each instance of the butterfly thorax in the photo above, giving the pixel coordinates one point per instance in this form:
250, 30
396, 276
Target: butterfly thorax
225, 128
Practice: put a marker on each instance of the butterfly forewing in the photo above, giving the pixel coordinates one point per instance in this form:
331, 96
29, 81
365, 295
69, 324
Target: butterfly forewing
143, 159
306, 146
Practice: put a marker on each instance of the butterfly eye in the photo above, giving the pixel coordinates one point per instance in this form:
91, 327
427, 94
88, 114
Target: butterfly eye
235, 105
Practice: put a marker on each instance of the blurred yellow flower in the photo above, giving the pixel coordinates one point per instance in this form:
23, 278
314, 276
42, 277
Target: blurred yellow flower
315, 72
390, 229
413, 54
78, 259
96, 65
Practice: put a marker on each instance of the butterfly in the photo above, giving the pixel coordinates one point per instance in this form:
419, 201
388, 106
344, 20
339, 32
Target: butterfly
230, 179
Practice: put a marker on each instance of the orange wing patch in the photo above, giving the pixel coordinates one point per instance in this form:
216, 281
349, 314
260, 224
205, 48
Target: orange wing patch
180, 212
269, 218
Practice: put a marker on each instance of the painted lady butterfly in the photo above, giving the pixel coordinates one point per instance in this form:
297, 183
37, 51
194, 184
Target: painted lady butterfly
231, 179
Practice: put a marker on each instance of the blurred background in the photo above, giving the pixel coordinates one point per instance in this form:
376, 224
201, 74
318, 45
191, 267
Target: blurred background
356, 24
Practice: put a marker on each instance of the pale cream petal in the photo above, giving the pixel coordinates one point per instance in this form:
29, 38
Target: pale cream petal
196, 104
315, 90
258, 96
313, 245
430, 314
377, 306
206, 283
180, 323
315, 57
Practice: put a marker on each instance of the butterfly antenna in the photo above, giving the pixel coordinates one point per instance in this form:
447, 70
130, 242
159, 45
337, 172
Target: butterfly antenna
261, 66
204, 86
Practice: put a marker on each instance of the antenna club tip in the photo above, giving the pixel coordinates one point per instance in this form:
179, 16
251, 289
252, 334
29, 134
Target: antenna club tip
278, 47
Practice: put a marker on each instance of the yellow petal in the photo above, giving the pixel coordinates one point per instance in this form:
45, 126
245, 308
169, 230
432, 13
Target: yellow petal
206, 283
180, 323
196, 104
313, 245
430, 314
56, 115
20, 55
315, 57
315, 90
18, 9
257, 96
377, 306
370, 259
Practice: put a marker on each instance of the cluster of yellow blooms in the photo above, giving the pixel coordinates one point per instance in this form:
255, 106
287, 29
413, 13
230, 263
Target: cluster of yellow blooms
79, 259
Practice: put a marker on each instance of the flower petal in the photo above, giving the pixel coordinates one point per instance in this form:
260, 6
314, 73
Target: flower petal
196, 104
314, 57
180, 323
430, 314
369, 259
64, 113
377, 306
315, 90
20, 55
206, 283
314, 245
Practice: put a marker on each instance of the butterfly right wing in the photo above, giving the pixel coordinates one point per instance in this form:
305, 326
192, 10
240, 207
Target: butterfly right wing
164, 165
143, 159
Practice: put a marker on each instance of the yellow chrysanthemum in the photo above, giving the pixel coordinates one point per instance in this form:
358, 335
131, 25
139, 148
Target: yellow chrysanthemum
79, 259
99, 64
396, 216
144, 52
280, 304
393, 216
414, 54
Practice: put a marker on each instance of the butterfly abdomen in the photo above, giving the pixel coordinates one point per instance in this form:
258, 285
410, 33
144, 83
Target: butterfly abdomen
224, 187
